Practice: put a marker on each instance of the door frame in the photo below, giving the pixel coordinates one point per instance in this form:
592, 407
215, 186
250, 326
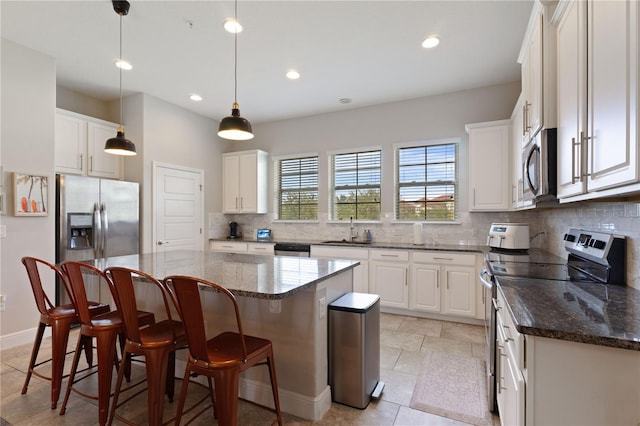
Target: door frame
155, 165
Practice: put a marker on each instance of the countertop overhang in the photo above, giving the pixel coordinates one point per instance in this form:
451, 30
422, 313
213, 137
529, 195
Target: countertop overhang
249, 275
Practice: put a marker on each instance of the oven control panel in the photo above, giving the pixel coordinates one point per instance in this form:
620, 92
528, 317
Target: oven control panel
591, 244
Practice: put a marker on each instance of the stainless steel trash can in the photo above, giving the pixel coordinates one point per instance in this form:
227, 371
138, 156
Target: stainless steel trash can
354, 349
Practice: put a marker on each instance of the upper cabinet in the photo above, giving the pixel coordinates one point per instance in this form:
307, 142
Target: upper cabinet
79, 146
537, 57
245, 182
597, 98
489, 166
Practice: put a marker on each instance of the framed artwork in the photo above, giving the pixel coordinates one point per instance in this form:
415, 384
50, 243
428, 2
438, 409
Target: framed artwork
31, 194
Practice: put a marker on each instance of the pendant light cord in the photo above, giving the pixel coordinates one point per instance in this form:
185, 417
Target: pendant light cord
235, 60
120, 67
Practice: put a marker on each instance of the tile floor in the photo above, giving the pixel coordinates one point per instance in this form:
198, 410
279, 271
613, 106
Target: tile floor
404, 343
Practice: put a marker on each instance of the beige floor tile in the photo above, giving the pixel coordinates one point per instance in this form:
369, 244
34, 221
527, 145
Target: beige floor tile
410, 417
389, 356
427, 327
398, 386
390, 321
397, 339
410, 362
446, 345
463, 332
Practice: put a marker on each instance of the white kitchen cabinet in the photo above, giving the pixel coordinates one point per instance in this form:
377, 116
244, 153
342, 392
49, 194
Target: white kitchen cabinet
360, 272
443, 282
388, 277
79, 146
228, 246
490, 166
597, 98
245, 187
510, 384
537, 59
261, 248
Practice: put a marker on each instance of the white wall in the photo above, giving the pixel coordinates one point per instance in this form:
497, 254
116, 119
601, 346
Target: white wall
27, 133
77, 102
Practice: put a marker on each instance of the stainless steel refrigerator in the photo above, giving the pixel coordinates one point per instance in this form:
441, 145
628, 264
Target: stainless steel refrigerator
95, 218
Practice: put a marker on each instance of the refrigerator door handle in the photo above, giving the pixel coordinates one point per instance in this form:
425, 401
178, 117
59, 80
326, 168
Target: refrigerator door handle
97, 238
105, 229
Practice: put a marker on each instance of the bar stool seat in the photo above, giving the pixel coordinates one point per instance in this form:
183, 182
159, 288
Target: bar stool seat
60, 318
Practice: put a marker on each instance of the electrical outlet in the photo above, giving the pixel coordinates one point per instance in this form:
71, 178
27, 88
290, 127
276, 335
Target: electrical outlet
3, 231
3, 300
275, 306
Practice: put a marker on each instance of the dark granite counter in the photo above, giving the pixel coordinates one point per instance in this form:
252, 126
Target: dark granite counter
594, 313
380, 245
250, 275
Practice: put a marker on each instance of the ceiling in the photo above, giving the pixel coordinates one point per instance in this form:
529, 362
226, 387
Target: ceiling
367, 51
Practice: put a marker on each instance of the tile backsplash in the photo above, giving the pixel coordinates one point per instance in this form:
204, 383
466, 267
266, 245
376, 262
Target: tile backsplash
547, 227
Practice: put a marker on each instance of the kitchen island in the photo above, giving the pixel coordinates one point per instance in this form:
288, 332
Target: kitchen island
281, 298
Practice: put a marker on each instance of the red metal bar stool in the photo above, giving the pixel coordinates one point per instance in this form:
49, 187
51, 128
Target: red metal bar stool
222, 357
157, 342
105, 328
59, 318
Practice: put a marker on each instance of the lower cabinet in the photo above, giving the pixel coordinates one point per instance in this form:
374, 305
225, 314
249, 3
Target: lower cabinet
388, 277
360, 272
242, 247
443, 282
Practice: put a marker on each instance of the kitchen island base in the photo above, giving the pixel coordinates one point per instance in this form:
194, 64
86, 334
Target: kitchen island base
297, 327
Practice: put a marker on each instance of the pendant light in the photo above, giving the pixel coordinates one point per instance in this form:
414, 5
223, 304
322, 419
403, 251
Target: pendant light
120, 145
235, 127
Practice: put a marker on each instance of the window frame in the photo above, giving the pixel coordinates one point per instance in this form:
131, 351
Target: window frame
456, 182
277, 190
331, 181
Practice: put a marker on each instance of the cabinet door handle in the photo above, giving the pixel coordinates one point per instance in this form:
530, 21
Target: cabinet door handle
80, 167
91, 163
443, 258
236, 203
526, 116
524, 119
438, 278
585, 147
389, 255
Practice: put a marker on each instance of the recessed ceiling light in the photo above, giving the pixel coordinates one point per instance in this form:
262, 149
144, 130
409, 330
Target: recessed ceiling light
293, 75
232, 26
122, 64
195, 97
345, 100
431, 41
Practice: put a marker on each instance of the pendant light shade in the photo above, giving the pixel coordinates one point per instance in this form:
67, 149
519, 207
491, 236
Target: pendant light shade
120, 145
235, 127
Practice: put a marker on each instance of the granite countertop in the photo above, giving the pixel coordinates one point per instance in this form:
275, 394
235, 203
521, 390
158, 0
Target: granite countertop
469, 248
250, 275
583, 312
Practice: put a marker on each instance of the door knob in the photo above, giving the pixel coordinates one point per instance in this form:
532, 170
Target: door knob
159, 243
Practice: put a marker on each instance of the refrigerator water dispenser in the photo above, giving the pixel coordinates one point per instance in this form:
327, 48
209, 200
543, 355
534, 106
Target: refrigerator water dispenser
80, 226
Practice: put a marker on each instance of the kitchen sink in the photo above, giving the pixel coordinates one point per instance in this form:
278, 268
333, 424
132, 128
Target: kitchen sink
346, 242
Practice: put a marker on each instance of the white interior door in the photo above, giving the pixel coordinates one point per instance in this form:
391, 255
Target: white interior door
178, 203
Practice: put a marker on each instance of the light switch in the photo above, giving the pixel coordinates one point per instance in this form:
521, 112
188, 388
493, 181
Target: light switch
3, 231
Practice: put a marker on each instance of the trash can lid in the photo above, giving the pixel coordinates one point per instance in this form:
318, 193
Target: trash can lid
355, 302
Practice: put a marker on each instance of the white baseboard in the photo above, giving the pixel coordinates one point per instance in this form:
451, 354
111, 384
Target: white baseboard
303, 406
19, 338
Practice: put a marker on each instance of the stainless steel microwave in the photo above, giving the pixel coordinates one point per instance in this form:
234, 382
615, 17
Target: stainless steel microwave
539, 167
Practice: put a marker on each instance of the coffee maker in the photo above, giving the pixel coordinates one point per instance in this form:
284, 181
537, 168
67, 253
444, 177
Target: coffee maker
233, 231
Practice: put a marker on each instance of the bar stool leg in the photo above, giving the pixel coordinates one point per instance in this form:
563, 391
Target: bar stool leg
60, 337
106, 344
34, 357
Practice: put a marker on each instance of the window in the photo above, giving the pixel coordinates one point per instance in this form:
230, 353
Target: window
297, 183
356, 185
426, 182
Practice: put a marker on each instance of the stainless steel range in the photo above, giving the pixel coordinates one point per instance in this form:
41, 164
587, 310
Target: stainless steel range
594, 256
